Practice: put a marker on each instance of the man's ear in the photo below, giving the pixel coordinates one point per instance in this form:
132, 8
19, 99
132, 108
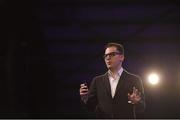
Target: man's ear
122, 57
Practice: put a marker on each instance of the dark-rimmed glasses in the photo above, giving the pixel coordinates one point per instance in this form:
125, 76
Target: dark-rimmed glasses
112, 54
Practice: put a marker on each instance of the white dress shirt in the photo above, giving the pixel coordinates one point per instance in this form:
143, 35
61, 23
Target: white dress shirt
114, 79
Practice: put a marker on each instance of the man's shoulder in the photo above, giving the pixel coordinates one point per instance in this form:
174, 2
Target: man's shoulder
101, 76
131, 75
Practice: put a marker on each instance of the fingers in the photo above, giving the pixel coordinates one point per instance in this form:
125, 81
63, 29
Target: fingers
134, 99
83, 94
83, 89
129, 95
81, 85
136, 92
135, 96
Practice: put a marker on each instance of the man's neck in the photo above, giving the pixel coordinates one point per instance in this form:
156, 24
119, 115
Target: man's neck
115, 70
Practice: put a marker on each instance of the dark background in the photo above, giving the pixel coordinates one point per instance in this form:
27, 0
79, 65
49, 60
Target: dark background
49, 47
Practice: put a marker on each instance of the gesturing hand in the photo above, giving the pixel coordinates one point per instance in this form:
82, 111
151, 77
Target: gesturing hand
135, 97
83, 92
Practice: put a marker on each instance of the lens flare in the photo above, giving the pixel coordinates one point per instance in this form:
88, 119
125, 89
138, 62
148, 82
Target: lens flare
153, 78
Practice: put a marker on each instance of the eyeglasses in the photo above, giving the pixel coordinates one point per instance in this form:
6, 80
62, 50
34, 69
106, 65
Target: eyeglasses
112, 54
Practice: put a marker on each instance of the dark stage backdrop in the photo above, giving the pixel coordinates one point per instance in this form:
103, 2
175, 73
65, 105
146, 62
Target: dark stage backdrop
49, 47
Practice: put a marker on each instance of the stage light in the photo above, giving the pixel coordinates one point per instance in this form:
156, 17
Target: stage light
153, 78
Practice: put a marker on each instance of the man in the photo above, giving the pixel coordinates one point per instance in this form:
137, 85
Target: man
117, 93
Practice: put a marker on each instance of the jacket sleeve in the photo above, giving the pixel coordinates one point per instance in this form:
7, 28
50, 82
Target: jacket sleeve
91, 102
140, 107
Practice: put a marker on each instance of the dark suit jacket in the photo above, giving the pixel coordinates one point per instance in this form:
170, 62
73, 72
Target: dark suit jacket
101, 101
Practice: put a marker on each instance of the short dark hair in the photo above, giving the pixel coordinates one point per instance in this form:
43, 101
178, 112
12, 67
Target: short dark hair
119, 47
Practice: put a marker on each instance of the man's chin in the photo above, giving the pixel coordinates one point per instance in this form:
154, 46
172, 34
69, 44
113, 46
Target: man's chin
109, 67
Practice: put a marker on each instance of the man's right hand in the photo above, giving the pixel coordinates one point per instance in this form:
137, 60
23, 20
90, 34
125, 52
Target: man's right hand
83, 90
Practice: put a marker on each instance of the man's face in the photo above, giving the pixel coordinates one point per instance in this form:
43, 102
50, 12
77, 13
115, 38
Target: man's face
113, 58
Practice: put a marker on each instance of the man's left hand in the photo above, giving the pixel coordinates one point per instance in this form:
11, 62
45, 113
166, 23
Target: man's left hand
135, 97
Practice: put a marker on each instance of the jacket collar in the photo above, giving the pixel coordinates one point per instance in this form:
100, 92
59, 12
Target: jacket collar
119, 85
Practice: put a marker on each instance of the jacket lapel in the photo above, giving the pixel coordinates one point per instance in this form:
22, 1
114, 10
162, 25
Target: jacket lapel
120, 83
107, 84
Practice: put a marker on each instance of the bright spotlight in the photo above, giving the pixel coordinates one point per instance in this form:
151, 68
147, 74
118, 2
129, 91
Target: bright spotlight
153, 78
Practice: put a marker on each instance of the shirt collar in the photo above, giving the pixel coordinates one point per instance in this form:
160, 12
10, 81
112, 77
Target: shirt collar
119, 72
